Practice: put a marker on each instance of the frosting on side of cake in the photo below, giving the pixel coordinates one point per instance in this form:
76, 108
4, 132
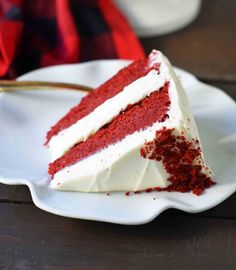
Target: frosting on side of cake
120, 167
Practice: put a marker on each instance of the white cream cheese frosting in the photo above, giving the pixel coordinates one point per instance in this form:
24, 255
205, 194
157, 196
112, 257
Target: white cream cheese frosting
120, 167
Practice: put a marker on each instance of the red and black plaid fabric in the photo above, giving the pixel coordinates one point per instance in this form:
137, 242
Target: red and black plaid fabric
39, 33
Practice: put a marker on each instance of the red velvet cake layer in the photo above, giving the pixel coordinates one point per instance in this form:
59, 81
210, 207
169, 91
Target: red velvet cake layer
136, 117
107, 90
180, 159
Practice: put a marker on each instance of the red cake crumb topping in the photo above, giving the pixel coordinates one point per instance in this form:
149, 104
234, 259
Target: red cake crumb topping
178, 155
107, 90
136, 117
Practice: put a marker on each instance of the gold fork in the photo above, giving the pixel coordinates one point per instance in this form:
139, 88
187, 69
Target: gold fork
11, 85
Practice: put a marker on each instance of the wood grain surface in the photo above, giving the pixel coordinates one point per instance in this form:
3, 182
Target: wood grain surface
33, 239
206, 48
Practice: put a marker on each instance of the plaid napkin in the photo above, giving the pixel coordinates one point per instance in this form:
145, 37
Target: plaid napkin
39, 33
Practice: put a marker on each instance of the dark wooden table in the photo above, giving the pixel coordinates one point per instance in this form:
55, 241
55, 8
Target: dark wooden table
33, 239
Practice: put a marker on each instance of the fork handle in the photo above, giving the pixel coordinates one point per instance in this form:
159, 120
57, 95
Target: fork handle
11, 85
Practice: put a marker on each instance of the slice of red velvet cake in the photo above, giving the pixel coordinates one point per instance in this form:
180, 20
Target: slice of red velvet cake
135, 132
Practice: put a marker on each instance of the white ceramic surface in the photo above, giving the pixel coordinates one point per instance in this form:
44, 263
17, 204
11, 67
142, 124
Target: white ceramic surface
158, 17
26, 116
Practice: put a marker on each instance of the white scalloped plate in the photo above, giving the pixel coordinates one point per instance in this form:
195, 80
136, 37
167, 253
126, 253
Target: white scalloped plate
26, 116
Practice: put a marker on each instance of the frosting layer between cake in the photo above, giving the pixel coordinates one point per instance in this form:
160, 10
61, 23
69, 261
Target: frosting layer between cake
105, 91
104, 113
